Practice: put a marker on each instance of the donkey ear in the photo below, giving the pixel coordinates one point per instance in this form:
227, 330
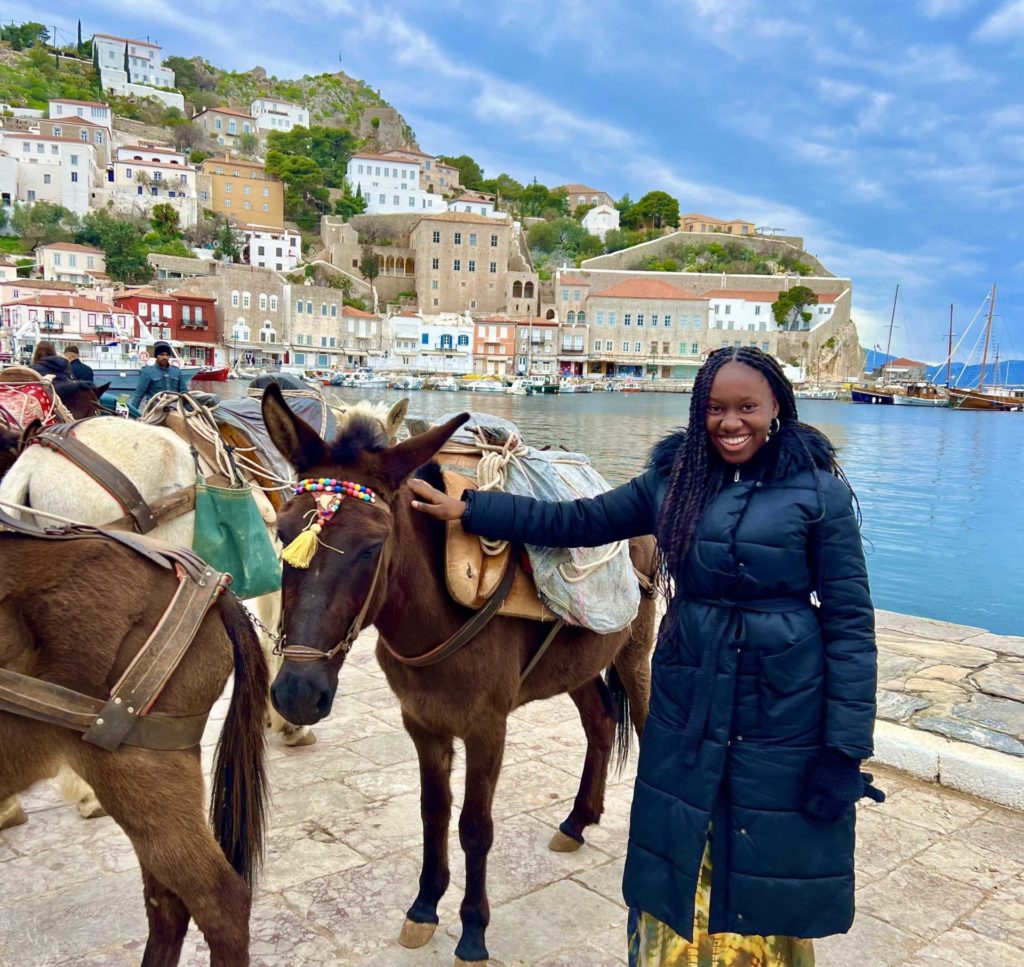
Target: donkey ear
400, 461
101, 389
395, 417
298, 442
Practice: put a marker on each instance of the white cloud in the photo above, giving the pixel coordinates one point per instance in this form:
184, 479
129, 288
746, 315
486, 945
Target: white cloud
937, 9
1006, 23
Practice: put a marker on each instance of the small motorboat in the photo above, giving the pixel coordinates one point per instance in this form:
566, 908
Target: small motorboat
212, 374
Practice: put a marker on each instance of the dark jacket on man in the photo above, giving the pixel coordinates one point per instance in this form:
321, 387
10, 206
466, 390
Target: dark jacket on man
81, 371
155, 379
751, 682
55, 366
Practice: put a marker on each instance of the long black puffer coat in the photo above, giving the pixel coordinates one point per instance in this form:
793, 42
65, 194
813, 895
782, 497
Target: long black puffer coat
751, 680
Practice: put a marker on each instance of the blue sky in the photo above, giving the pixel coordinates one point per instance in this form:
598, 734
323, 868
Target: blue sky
889, 134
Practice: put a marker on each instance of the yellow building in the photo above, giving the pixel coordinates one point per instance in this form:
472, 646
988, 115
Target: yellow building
242, 190
695, 222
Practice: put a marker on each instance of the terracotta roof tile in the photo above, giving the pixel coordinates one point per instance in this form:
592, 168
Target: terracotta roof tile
70, 247
646, 288
66, 302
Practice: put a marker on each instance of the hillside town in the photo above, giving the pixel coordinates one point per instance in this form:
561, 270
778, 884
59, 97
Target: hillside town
405, 269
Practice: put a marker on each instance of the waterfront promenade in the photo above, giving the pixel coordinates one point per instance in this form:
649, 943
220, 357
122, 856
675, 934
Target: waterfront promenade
940, 873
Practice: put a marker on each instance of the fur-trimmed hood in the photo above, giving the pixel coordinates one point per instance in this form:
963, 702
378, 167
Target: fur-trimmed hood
786, 453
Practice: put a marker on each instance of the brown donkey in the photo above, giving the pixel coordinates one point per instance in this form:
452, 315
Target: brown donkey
383, 564
54, 626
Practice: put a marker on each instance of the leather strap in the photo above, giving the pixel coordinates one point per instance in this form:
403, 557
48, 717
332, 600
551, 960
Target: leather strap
544, 646
62, 440
468, 631
147, 674
46, 702
165, 509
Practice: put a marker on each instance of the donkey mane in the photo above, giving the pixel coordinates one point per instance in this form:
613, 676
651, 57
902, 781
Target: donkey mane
363, 433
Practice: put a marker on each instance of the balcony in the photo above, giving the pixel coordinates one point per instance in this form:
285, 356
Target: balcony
572, 350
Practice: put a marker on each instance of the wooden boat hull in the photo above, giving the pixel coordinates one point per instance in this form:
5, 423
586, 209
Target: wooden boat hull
961, 399
932, 401
213, 374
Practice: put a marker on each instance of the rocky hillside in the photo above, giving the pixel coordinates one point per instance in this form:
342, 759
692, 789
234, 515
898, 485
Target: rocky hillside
334, 100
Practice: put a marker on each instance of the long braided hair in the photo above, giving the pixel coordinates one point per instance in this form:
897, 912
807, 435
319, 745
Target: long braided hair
696, 477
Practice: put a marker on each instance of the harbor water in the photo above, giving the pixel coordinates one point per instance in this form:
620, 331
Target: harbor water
940, 490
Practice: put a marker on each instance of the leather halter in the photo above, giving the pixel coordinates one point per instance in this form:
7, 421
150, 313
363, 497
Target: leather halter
304, 653
125, 717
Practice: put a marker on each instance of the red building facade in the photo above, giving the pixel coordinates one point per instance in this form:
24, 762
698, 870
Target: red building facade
187, 320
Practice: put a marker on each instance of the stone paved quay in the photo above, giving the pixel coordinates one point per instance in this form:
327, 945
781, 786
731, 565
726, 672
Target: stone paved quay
941, 874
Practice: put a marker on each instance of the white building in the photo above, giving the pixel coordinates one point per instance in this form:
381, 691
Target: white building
58, 170
136, 185
273, 114
273, 248
69, 262
95, 112
476, 203
402, 340
151, 151
446, 347
390, 183
134, 67
751, 311
601, 220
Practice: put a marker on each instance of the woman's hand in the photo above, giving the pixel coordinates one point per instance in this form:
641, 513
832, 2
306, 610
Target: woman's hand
430, 500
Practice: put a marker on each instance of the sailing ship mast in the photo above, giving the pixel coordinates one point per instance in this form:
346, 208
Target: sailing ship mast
949, 355
988, 336
888, 343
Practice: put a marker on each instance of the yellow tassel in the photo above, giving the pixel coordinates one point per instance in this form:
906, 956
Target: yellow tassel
301, 550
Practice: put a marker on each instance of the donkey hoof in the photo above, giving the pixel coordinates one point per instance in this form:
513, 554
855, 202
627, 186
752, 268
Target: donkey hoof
11, 814
459, 962
90, 808
415, 935
561, 843
303, 735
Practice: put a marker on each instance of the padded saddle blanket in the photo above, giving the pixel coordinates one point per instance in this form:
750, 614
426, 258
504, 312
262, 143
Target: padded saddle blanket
21, 403
595, 588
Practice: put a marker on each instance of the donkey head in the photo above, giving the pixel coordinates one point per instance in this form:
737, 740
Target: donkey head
339, 584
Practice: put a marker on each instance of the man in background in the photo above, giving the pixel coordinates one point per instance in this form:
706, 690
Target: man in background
161, 378
79, 370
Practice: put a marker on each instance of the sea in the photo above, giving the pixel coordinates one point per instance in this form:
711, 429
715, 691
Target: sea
940, 490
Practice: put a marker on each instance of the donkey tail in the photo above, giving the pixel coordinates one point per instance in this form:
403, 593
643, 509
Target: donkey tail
238, 805
623, 729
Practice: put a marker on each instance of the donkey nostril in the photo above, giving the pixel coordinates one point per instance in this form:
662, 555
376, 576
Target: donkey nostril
323, 706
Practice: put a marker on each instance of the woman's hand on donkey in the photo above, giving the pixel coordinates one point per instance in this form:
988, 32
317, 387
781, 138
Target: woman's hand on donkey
430, 500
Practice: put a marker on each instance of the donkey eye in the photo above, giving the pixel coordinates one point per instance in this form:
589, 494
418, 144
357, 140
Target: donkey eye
370, 553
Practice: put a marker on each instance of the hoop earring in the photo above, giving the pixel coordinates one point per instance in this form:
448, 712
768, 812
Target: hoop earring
773, 427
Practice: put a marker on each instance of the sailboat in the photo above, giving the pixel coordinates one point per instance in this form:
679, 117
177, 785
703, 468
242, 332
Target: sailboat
879, 393
998, 399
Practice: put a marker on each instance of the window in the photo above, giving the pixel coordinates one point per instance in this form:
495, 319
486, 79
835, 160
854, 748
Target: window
323, 308
765, 345
457, 265
395, 200
266, 208
240, 331
637, 347
298, 307
273, 303
597, 345
46, 181
309, 308
599, 318
627, 319
728, 310
757, 310
435, 263
435, 285
695, 322
383, 199
611, 318
472, 265
668, 322
234, 299
246, 189
565, 295
639, 318
472, 238
458, 238
436, 237
334, 310
494, 241
246, 300
682, 349
625, 346
571, 318
694, 349
263, 301
654, 320
463, 340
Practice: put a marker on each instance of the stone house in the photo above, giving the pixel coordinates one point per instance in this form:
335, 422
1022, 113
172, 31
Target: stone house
537, 347
225, 125
243, 191
70, 262
580, 195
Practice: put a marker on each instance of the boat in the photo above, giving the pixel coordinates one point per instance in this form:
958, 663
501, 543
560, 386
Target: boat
448, 384
631, 386
566, 386
921, 394
407, 383
519, 387
484, 386
549, 388
880, 394
999, 399
816, 393
585, 387
212, 374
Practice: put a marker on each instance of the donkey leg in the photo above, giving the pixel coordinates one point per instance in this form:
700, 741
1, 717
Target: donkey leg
74, 789
435, 754
168, 923
484, 751
633, 664
157, 799
11, 813
598, 717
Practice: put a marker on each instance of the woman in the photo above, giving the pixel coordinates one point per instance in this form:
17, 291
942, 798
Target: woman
46, 362
763, 686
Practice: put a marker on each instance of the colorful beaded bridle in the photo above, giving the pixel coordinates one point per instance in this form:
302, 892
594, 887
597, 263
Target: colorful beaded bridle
329, 495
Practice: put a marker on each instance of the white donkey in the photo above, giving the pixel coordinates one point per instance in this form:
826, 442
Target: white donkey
158, 463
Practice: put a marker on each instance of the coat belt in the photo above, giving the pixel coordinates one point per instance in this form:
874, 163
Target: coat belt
730, 612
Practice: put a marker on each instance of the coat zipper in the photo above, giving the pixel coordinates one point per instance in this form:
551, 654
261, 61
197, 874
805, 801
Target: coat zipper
736, 476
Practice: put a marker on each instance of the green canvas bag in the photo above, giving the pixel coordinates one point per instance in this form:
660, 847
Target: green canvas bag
231, 535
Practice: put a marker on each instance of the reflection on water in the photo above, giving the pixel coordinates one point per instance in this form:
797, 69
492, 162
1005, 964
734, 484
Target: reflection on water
939, 489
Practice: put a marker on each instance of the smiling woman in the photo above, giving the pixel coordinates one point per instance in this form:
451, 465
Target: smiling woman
763, 681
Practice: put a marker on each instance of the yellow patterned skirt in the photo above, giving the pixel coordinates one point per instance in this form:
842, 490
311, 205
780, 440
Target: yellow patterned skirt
654, 944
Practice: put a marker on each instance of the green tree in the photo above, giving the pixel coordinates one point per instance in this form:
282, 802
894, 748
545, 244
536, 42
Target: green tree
471, 175
305, 197
505, 188
657, 209
789, 309
226, 243
351, 203
165, 221
122, 242
23, 36
79, 47
329, 148
248, 144
43, 223
536, 200
369, 265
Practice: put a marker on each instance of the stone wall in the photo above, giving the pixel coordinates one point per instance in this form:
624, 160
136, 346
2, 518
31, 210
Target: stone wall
632, 258
389, 134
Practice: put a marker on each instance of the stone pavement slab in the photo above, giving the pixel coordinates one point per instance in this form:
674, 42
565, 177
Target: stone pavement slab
940, 874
